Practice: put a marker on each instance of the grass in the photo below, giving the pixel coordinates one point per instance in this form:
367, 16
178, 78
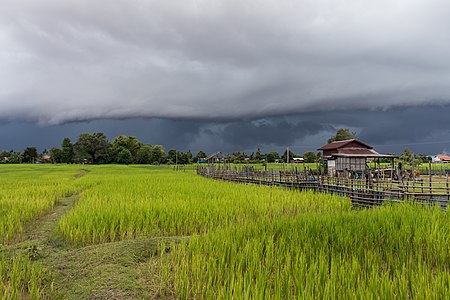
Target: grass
28, 191
144, 232
20, 278
136, 202
104, 271
399, 251
27, 204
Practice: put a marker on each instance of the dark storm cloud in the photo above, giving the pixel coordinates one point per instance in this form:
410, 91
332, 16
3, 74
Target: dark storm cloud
275, 132
78, 60
410, 127
169, 133
421, 129
403, 125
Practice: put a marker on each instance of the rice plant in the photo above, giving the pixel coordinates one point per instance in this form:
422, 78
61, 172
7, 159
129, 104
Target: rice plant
131, 202
27, 191
237, 241
393, 252
20, 279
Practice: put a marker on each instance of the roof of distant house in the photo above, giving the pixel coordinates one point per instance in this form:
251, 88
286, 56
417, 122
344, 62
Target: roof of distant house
215, 155
443, 157
352, 148
342, 144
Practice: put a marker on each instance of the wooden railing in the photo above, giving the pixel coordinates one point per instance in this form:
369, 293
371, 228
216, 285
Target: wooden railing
362, 192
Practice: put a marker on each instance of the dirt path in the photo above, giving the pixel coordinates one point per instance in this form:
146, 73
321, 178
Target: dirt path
118, 270
38, 237
42, 228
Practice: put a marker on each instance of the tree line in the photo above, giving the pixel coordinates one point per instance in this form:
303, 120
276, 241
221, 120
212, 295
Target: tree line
272, 157
94, 148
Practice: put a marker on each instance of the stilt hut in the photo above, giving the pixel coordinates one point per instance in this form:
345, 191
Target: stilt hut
350, 158
217, 157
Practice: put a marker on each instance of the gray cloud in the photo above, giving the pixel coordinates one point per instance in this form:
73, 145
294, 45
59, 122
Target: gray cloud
72, 60
421, 129
269, 132
169, 133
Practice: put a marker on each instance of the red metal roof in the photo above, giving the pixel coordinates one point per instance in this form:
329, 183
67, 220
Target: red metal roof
341, 144
444, 157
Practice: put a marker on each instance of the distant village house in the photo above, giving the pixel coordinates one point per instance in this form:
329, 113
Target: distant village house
298, 160
349, 157
442, 158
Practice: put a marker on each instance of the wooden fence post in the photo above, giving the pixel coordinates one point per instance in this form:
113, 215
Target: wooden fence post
446, 185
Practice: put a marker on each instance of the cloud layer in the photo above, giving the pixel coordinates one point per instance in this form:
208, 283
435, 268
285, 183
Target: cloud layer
422, 130
74, 60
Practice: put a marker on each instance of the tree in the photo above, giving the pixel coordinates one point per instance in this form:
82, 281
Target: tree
150, 154
406, 156
144, 155
11, 157
272, 156
200, 155
172, 156
259, 156
124, 157
238, 157
93, 146
422, 157
284, 156
185, 157
310, 157
4, 157
158, 154
45, 156
30, 154
67, 152
15, 157
131, 143
56, 155
341, 135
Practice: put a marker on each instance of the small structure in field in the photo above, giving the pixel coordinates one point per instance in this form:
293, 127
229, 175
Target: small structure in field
349, 158
217, 157
442, 158
297, 160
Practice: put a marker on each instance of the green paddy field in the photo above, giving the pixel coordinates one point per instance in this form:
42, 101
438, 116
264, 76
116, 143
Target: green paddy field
148, 232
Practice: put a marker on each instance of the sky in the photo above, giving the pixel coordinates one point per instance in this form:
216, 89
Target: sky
226, 75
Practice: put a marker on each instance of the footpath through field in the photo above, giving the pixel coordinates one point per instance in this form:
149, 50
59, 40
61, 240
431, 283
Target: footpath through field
104, 271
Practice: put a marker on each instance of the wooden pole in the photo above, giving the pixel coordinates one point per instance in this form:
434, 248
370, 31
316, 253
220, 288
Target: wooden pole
446, 185
429, 167
287, 156
392, 169
379, 170
412, 173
